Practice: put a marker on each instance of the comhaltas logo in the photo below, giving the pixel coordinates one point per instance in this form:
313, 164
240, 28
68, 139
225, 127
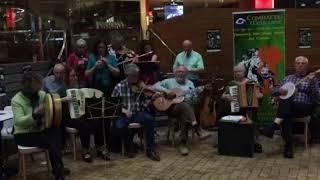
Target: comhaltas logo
240, 21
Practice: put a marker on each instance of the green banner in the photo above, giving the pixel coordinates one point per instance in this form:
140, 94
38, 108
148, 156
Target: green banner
259, 44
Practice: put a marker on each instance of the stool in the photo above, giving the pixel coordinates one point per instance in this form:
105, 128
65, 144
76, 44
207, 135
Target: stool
135, 126
73, 133
306, 121
23, 151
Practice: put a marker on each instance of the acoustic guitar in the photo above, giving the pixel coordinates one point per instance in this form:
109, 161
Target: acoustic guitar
163, 102
208, 115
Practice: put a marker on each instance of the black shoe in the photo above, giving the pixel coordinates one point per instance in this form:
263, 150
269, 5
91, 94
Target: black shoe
59, 178
288, 153
87, 157
130, 154
153, 155
257, 148
103, 154
66, 171
269, 131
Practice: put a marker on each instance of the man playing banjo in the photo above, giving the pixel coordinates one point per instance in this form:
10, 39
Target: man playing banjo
295, 101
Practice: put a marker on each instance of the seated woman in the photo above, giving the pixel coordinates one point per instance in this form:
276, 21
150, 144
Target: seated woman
29, 128
84, 127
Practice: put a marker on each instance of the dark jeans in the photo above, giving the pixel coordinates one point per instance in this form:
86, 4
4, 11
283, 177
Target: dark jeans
146, 119
49, 139
289, 109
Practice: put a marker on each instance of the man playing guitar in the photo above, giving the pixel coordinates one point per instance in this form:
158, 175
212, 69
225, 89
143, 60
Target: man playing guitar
183, 112
298, 105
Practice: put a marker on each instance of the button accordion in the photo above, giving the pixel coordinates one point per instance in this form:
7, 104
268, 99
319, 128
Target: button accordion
245, 95
77, 106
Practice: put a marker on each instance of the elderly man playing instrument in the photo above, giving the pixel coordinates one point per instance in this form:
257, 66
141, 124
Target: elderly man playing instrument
135, 109
183, 112
28, 111
239, 78
298, 105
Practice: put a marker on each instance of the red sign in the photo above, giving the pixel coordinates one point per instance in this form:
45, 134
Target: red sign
264, 4
11, 18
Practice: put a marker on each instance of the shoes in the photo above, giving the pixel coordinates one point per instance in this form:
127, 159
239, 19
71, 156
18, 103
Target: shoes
87, 157
104, 154
269, 131
288, 152
153, 155
184, 150
204, 134
257, 148
130, 154
66, 171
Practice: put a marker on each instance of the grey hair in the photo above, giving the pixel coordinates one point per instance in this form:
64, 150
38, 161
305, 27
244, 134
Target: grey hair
239, 67
131, 68
81, 42
302, 58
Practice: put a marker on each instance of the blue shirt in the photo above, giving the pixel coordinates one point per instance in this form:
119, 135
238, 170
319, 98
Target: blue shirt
51, 85
189, 91
102, 77
193, 61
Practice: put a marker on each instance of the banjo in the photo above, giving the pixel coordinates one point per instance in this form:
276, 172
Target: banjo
290, 87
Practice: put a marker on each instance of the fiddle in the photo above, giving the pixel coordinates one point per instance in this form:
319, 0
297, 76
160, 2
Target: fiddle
141, 87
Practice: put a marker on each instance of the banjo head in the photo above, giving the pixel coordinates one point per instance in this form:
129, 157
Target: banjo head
290, 87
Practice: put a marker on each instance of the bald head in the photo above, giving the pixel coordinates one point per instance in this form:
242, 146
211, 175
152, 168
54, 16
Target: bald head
58, 71
301, 65
187, 46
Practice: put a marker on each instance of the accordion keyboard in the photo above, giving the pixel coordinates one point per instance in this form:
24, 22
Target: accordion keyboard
234, 92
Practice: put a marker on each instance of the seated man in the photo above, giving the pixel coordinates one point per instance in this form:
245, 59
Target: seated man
134, 110
28, 110
298, 105
239, 75
182, 112
315, 122
53, 83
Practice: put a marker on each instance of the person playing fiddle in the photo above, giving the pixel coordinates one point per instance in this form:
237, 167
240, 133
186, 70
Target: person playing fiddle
135, 109
148, 64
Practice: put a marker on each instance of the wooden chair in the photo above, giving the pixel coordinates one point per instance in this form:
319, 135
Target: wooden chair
24, 151
306, 121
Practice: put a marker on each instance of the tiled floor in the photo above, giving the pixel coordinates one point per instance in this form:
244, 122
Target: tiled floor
202, 163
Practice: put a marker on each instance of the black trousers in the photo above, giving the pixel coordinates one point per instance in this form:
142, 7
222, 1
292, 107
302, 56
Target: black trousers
49, 139
287, 110
85, 129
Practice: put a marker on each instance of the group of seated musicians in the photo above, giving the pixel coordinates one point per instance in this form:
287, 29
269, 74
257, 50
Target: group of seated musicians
97, 71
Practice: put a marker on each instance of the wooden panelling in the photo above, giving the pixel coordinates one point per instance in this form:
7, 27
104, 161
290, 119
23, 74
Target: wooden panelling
13, 75
194, 26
